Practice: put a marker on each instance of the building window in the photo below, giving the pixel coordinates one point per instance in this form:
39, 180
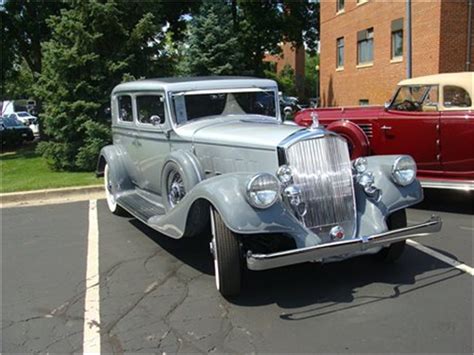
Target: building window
364, 102
365, 46
339, 5
340, 53
397, 38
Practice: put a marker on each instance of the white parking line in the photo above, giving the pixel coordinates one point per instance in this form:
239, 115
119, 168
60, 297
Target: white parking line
91, 340
463, 267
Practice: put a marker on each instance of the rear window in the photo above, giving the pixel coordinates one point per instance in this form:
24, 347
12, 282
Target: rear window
455, 96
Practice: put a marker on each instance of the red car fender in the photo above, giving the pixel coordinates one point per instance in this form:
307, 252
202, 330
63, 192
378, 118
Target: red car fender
355, 136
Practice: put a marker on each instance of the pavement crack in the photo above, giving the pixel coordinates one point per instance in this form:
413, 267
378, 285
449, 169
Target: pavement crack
150, 289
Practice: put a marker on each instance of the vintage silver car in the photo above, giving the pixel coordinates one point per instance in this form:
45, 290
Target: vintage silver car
194, 153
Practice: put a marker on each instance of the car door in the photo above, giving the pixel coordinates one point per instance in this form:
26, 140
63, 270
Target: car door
457, 131
411, 126
125, 133
153, 142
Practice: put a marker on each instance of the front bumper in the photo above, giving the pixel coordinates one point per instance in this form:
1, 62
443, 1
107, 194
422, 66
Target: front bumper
346, 247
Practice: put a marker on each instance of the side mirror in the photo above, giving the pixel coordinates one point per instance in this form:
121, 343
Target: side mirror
386, 105
107, 112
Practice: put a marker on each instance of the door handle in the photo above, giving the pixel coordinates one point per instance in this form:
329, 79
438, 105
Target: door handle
135, 139
386, 128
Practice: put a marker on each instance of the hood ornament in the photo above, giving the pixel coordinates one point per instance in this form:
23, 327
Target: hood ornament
315, 119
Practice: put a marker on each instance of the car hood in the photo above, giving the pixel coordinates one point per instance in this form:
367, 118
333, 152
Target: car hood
244, 131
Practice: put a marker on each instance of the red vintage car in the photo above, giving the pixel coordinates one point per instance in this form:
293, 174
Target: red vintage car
430, 118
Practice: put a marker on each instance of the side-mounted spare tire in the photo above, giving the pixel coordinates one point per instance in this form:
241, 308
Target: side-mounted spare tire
179, 175
354, 135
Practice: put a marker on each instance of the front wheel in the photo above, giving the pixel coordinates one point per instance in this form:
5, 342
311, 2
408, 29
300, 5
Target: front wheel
227, 257
394, 251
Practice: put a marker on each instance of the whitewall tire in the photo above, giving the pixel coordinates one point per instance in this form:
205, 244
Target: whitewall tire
110, 193
227, 257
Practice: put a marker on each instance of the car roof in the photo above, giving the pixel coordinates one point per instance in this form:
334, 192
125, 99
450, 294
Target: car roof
194, 83
463, 79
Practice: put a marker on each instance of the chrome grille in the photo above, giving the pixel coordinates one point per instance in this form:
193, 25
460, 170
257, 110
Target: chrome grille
323, 172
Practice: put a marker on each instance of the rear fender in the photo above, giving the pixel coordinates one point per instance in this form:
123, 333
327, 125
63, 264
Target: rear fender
112, 156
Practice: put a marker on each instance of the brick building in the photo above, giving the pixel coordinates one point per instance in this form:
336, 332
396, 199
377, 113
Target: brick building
295, 58
364, 46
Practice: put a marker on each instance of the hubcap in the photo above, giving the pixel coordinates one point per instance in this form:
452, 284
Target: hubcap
176, 190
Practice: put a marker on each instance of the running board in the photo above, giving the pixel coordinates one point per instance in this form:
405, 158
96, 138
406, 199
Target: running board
140, 207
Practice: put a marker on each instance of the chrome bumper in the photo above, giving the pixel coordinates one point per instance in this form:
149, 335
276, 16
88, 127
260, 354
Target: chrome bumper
296, 256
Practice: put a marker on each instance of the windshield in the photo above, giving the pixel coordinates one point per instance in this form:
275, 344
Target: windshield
191, 106
415, 98
11, 122
23, 114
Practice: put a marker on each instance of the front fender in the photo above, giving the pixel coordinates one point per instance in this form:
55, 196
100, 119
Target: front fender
372, 214
226, 193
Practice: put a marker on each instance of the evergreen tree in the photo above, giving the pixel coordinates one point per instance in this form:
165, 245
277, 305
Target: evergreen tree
213, 47
95, 45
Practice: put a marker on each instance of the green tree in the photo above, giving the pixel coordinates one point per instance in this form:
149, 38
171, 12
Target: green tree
212, 48
24, 28
94, 45
285, 79
311, 75
262, 26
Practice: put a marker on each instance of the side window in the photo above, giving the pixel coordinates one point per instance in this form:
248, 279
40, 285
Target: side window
151, 109
125, 108
455, 96
430, 102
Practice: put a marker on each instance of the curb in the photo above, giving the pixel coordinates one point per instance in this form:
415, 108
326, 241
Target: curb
66, 193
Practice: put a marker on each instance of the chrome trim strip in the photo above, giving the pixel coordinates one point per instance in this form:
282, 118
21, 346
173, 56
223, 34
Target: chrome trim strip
296, 256
449, 185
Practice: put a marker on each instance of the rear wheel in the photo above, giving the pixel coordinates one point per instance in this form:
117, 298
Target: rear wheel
110, 193
394, 251
227, 257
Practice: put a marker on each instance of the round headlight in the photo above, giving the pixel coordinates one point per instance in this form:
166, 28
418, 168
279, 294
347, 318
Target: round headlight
360, 165
404, 170
285, 174
263, 190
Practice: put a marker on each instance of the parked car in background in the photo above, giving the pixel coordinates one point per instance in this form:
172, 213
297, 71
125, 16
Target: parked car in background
289, 105
430, 118
191, 155
27, 119
13, 132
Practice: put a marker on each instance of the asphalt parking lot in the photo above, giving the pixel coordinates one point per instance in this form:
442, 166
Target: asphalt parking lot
155, 294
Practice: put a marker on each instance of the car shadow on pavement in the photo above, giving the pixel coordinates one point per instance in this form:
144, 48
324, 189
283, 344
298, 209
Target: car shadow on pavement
452, 201
335, 287
325, 288
194, 252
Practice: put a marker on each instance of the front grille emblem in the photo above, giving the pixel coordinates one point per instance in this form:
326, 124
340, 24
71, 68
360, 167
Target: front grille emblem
336, 233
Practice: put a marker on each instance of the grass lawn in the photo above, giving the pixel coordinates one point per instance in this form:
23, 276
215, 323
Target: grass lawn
23, 169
